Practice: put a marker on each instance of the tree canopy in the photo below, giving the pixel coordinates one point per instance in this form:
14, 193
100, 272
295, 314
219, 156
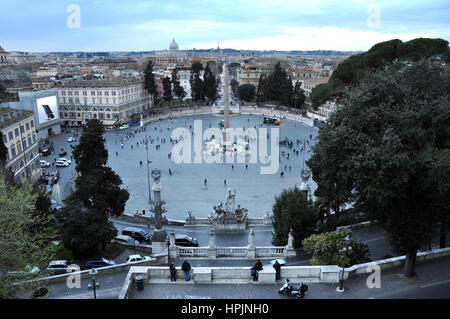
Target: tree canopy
382, 149
246, 92
292, 210
380, 56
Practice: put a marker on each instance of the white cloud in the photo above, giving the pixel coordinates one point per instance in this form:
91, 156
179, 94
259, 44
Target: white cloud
316, 38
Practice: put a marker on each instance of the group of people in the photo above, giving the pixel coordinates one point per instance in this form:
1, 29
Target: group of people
186, 268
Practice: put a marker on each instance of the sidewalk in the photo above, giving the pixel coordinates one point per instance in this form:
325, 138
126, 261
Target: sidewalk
432, 281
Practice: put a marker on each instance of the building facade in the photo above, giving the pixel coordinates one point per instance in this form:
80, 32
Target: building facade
20, 139
113, 101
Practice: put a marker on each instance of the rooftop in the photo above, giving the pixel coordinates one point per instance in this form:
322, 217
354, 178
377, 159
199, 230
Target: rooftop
9, 116
100, 83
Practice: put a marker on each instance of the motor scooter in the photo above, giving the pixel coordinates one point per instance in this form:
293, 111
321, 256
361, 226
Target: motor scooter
290, 290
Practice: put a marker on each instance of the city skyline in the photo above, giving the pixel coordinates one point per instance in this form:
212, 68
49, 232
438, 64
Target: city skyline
282, 25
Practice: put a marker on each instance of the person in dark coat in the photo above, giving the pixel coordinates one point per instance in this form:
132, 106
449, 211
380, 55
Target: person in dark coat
258, 265
277, 267
186, 267
173, 272
254, 273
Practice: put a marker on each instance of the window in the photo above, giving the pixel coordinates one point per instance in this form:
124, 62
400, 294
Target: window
29, 141
106, 93
5, 139
10, 135
99, 93
27, 126
70, 100
17, 132
76, 93
69, 93
63, 93
64, 100
77, 100
22, 129
99, 101
32, 123
92, 93
34, 138
84, 93
13, 151
113, 93
85, 101
24, 143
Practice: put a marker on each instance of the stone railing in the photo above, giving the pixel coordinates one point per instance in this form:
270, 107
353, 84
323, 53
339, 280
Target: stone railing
241, 275
250, 251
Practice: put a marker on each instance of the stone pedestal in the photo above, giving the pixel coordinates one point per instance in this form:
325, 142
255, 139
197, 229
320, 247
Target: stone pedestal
173, 251
212, 251
159, 241
267, 275
290, 251
251, 250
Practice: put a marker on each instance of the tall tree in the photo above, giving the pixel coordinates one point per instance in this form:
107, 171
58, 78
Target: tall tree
210, 85
246, 92
84, 232
292, 210
21, 245
97, 185
178, 90
382, 149
298, 96
167, 84
197, 84
149, 81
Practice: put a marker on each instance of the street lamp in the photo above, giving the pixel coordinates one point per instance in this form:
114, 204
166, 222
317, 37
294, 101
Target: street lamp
93, 272
345, 249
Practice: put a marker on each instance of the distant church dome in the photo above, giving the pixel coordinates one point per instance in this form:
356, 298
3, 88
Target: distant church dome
173, 46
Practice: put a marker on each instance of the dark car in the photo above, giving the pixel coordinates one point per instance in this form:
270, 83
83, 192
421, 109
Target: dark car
137, 233
186, 241
63, 153
101, 262
45, 152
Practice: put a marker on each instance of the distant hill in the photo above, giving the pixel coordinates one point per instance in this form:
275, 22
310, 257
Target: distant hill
381, 55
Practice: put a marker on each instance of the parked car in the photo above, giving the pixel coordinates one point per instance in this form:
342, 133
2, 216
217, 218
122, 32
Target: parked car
136, 233
27, 271
186, 241
65, 160
101, 262
63, 153
61, 164
71, 139
123, 127
58, 266
45, 152
134, 258
44, 164
124, 239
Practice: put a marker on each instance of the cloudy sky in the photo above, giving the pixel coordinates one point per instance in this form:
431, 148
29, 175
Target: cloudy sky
119, 25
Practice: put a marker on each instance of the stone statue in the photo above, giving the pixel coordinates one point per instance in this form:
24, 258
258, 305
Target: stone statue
229, 206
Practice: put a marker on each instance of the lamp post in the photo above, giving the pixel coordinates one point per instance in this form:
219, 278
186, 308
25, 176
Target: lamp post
93, 272
345, 249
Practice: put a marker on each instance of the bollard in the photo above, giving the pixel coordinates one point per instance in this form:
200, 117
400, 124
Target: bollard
139, 283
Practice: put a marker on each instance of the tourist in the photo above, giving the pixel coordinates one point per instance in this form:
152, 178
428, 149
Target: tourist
205, 181
225, 182
186, 267
277, 267
254, 273
173, 272
281, 174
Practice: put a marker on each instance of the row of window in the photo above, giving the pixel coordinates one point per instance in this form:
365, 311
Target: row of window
16, 149
101, 93
16, 133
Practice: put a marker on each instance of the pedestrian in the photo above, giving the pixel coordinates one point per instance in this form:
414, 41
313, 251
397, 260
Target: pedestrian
140, 163
258, 265
254, 273
246, 166
232, 167
173, 272
277, 267
281, 174
225, 182
186, 267
117, 153
205, 181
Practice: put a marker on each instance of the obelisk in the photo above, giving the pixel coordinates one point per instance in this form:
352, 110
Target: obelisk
226, 106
